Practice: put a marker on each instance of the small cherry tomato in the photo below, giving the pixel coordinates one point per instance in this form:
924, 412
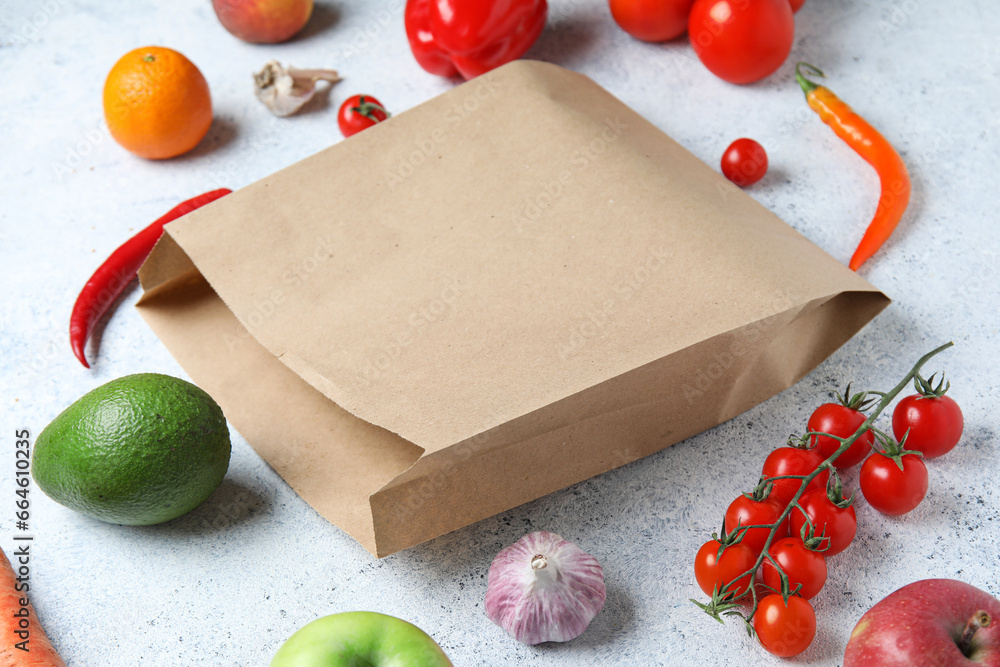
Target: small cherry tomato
793, 461
711, 571
652, 20
744, 162
841, 421
934, 424
797, 5
890, 490
801, 564
741, 41
784, 630
358, 113
745, 511
836, 525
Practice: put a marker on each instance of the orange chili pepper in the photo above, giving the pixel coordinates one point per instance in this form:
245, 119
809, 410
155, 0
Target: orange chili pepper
873, 147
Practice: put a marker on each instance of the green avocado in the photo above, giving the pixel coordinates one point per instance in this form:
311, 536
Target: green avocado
139, 450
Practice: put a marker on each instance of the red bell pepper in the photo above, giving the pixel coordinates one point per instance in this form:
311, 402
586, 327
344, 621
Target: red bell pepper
470, 37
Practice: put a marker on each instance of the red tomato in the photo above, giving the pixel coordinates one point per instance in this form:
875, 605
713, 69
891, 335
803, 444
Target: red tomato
741, 41
359, 112
793, 461
746, 511
652, 20
744, 162
935, 424
797, 4
837, 524
801, 565
711, 572
783, 630
842, 422
890, 490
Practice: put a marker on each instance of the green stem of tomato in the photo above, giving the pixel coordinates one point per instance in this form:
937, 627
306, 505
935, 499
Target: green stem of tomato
827, 464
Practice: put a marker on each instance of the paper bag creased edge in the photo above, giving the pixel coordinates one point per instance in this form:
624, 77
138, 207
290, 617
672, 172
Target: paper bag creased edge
410, 505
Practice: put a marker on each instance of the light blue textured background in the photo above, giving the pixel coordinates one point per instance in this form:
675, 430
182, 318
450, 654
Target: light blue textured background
228, 583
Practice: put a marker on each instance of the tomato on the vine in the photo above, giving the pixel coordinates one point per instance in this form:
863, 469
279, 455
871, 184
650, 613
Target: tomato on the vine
741, 41
934, 424
784, 630
748, 510
744, 162
359, 112
652, 20
792, 461
801, 565
842, 420
712, 571
890, 490
836, 525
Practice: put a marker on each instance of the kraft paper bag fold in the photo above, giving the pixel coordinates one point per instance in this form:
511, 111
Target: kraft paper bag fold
506, 290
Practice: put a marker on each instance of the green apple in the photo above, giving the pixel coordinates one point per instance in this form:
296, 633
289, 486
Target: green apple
360, 639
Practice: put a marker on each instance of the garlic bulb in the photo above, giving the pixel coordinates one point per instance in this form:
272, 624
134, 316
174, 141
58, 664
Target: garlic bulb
284, 90
543, 588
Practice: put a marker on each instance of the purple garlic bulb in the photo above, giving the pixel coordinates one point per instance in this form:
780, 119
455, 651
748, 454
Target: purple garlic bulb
543, 588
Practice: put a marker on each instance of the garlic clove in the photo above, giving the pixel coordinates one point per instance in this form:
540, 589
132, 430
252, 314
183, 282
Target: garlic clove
543, 588
285, 89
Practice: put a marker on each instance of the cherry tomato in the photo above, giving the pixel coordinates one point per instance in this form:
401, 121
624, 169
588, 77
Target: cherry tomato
744, 162
711, 572
796, 5
793, 461
741, 41
652, 20
890, 490
359, 112
841, 421
801, 564
935, 424
784, 630
746, 511
837, 525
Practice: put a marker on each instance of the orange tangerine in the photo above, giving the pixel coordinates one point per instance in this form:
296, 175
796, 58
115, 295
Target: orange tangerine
157, 103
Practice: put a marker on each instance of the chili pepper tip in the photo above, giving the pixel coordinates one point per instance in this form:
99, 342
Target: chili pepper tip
79, 352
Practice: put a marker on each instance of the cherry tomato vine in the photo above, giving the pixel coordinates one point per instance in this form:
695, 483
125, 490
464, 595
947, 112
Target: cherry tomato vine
727, 599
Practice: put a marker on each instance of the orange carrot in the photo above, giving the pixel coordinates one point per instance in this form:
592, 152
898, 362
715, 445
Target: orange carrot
22, 641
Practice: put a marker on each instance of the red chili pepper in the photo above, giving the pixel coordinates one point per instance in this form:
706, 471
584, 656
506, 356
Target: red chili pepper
470, 37
875, 149
113, 276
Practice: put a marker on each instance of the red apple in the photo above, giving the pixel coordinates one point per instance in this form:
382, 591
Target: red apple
263, 21
930, 622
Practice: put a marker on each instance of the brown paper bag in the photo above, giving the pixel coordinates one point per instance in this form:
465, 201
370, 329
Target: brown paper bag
506, 290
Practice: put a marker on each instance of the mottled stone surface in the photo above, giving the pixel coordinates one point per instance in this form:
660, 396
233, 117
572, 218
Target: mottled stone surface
226, 584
